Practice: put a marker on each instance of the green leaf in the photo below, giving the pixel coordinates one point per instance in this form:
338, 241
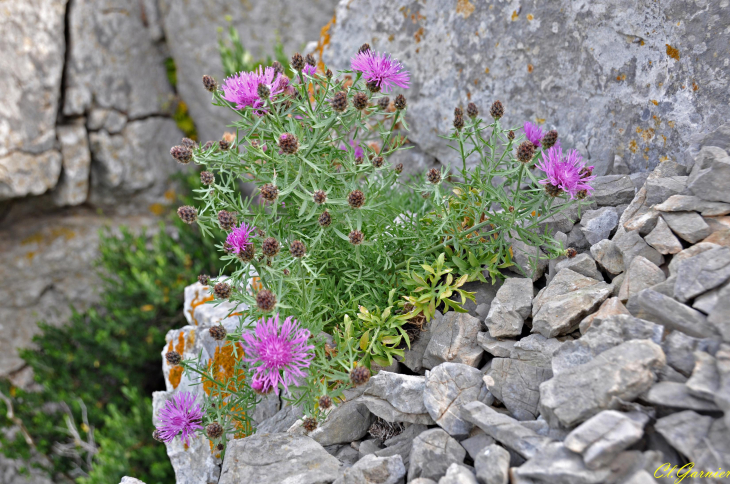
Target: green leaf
365, 340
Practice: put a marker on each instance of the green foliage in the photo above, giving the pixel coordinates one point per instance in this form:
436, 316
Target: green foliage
113, 345
435, 288
180, 114
381, 333
235, 58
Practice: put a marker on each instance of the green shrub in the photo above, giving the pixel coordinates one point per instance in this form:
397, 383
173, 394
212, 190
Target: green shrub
114, 345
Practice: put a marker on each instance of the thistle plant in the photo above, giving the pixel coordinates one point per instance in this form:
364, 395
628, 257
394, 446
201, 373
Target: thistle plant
332, 230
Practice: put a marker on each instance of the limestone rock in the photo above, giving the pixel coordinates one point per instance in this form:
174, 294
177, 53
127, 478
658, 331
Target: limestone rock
584, 114
603, 335
476, 442
707, 301
374, 470
495, 347
582, 264
679, 349
659, 189
458, 474
130, 480
710, 175
402, 443
697, 275
630, 244
643, 222
31, 57
397, 398
280, 421
484, 294
656, 307
662, 239
602, 437
413, 358
504, 429
136, 160
688, 225
454, 340
610, 307
692, 251
555, 463
104, 41
677, 395
613, 190
432, 454
690, 203
620, 373
517, 385
720, 315
347, 422
73, 186
705, 380
24, 174
276, 458
642, 274
535, 349
702, 439
722, 395
608, 256
598, 224
510, 307
449, 386
492, 465
559, 308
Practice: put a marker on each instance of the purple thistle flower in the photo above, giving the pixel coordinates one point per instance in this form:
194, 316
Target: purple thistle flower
181, 415
242, 88
533, 133
381, 69
278, 353
356, 145
309, 70
564, 172
239, 238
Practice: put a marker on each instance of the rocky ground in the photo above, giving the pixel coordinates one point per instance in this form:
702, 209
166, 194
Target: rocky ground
599, 369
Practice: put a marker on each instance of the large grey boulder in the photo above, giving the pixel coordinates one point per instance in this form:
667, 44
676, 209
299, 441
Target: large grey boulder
454, 339
559, 308
402, 443
276, 458
608, 256
662, 239
345, 423
705, 380
642, 274
521, 70
556, 463
677, 395
73, 185
613, 190
510, 308
690, 203
690, 226
32, 58
432, 453
710, 174
191, 32
397, 398
602, 437
620, 373
374, 470
660, 188
631, 244
449, 386
719, 318
504, 429
582, 264
679, 349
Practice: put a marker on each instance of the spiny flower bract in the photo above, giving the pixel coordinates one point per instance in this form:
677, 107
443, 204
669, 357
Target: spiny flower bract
182, 416
239, 238
381, 69
242, 88
279, 353
564, 172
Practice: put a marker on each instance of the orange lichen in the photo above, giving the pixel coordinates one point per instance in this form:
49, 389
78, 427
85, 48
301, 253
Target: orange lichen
197, 302
529, 67
486, 71
223, 368
655, 102
170, 195
175, 376
633, 146
465, 8
418, 35
695, 86
672, 52
621, 77
157, 209
324, 40
530, 17
515, 15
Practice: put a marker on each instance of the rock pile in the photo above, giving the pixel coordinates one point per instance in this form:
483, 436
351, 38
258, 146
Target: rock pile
608, 366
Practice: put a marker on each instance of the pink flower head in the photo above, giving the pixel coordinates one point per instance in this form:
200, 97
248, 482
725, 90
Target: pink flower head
181, 415
568, 173
239, 238
279, 353
359, 152
242, 88
309, 70
381, 69
533, 133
